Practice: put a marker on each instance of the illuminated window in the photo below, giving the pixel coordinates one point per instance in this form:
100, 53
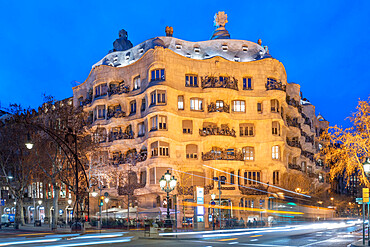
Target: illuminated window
154, 123
252, 177
219, 104
158, 122
157, 75
248, 153
137, 82
274, 105
180, 102
238, 106
275, 177
276, 152
246, 129
191, 81
275, 128
196, 104
247, 83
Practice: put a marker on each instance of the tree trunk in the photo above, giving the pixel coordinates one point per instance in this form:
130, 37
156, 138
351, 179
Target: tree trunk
18, 209
54, 220
20, 202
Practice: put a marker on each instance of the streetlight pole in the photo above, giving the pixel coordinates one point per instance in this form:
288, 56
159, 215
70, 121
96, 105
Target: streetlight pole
168, 184
366, 166
213, 197
106, 208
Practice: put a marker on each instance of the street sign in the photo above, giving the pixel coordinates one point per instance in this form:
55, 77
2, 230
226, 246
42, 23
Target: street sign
365, 194
359, 200
2, 202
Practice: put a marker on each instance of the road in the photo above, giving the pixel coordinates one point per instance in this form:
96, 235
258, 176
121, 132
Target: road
329, 234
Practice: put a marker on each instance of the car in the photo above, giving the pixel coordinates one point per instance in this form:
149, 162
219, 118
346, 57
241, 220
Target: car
7, 219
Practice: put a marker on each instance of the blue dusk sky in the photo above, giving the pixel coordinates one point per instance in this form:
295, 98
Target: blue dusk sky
324, 45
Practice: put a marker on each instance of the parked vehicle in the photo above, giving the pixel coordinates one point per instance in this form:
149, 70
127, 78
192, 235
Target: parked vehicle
7, 219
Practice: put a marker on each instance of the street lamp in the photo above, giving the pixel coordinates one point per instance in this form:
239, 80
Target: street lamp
29, 144
94, 193
168, 184
69, 201
213, 203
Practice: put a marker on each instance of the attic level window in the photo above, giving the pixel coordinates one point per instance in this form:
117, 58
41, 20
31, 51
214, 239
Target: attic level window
224, 47
196, 49
245, 48
157, 75
127, 56
237, 59
178, 46
141, 50
188, 55
115, 59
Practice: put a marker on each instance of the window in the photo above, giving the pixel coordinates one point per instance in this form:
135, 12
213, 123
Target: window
191, 151
232, 177
303, 166
275, 153
100, 112
143, 177
248, 153
137, 82
158, 97
143, 104
275, 177
152, 176
247, 83
158, 122
180, 102
162, 122
252, 177
274, 105
133, 107
259, 107
275, 128
219, 104
159, 148
101, 90
238, 106
141, 129
81, 101
246, 129
157, 75
196, 104
191, 81
187, 126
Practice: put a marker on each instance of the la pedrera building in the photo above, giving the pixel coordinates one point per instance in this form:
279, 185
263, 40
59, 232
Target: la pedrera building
207, 110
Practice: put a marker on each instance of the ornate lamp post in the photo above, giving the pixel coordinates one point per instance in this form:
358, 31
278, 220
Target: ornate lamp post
213, 203
366, 166
168, 184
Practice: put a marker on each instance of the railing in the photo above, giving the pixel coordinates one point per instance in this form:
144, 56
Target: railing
120, 158
120, 135
275, 86
189, 190
306, 120
293, 143
294, 166
118, 90
215, 82
116, 114
217, 131
254, 190
308, 155
292, 101
228, 154
227, 187
312, 175
213, 108
292, 121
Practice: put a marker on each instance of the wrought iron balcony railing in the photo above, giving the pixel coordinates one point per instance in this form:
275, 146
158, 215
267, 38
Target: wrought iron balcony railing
115, 114
294, 166
219, 82
254, 189
227, 154
292, 121
213, 108
293, 143
275, 86
118, 90
217, 131
120, 135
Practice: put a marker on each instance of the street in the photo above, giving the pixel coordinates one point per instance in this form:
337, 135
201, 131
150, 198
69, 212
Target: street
317, 234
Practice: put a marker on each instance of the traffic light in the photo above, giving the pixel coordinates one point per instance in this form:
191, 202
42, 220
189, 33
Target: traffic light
101, 201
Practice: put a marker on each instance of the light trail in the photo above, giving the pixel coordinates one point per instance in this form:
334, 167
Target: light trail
30, 241
103, 235
270, 185
123, 240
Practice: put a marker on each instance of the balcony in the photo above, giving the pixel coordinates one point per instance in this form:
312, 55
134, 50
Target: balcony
294, 103
226, 154
120, 135
275, 86
254, 189
219, 82
189, 190
293, 143
217, 131
115, 114
308, 155
213, 108
292, 121
294, 167
120, 158
118, 90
